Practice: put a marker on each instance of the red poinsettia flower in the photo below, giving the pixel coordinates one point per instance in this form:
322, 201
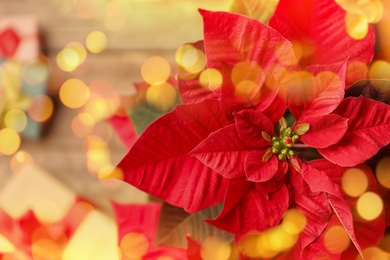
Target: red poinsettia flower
137, 228
221, 145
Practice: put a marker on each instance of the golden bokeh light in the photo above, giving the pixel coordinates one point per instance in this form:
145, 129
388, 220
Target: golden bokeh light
82, 125
190, 58
41, 108
161, 97
211, 78
96, 42
155, 70
35, 72
214, 248
383, 172
247, 92
68, 59
357, 24
336, 239
15, 119
354, 182
46, 249
369, 206
6, 246
373, 253
373, 9
74, 93
9, 141
134, 245
20, 160
115, 23
47, 211
294, 221
110, 171
379, 69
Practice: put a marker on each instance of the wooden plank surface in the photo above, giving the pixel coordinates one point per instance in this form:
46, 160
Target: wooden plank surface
152, 27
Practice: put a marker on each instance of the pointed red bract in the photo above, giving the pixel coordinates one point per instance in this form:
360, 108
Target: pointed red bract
244, 201
124, 128
318, 26
190, 89
143, 219
318, 180
246, 52
324, 131
159, 163
317, 91
224, 152
368, 128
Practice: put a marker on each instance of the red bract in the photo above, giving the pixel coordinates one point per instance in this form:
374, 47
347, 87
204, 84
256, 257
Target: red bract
139, 222
317, 29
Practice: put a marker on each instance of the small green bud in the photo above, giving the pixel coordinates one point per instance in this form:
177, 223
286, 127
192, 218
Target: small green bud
275, 150
281, 157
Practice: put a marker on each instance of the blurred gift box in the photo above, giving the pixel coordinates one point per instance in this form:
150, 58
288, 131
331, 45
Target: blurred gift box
25, 106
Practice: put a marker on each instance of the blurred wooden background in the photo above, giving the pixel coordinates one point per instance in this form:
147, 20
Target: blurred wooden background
149, 27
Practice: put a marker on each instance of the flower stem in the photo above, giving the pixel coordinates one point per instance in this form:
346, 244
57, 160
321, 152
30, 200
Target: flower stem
300, 146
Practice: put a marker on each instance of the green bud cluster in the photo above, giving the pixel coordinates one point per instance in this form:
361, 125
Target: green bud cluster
281, 145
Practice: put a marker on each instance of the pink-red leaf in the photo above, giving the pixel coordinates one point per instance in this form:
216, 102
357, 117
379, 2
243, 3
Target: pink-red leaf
318, 27
159, 164
368, 128
324, 131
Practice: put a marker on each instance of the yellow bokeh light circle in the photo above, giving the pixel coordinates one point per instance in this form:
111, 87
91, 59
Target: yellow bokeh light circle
47, 211
161, 97
15, 119
74, 93
134, 245
383, 172
373, 253
354, 182
82, 125
155, 70
336, 239
357, 24
379, 69
247, 92
9, 141
20, 160
35, 72
96, 42
46, 249
110, 171
215, 248
211, 78
369, 206
294, 221
190, 58
373, 9
41, 108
